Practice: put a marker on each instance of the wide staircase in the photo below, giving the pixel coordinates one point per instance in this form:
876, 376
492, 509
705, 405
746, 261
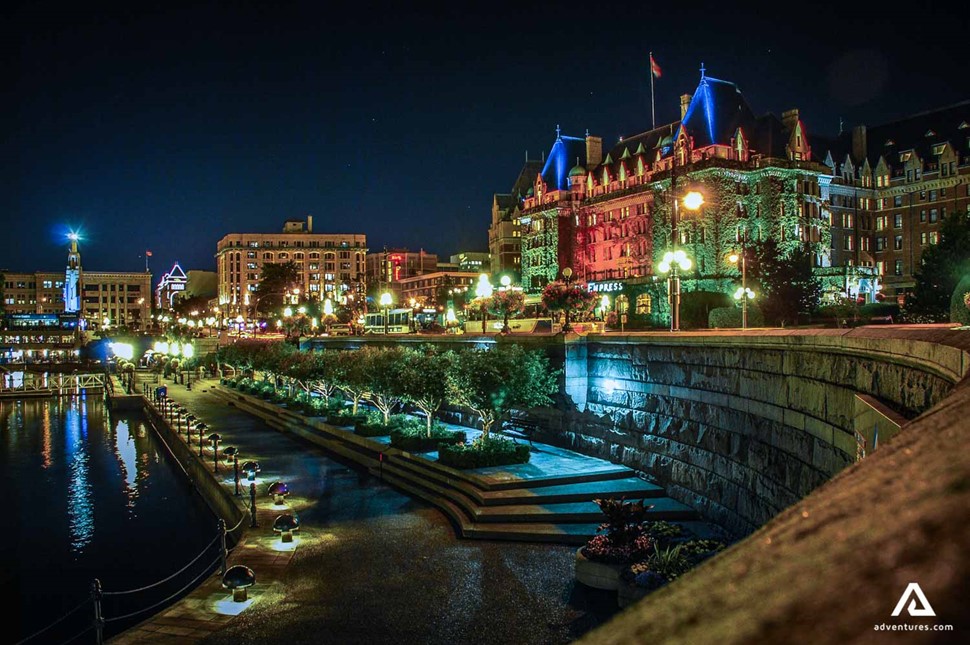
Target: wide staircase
550, 499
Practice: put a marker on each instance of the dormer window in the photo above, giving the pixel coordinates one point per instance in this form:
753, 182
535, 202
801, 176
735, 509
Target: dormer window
929, 133
889, 142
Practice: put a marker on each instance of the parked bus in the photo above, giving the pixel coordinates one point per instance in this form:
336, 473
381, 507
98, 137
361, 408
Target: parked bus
399, 321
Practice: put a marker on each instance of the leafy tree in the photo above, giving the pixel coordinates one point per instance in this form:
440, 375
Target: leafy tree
351, 374
494, 382
276, 280
504, 304
383, 372
941, 268
324, 370
424, 379
788, 285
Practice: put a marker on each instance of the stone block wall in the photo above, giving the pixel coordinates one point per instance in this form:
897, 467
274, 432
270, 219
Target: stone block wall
740, 426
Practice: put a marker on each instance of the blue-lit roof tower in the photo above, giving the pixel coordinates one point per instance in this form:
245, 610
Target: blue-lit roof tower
72, 277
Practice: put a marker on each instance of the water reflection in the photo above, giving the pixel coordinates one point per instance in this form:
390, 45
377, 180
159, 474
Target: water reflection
46, 436
127, 455
80, 510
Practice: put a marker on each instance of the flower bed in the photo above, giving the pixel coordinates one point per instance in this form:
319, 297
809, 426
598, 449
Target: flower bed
483, 452
415, 438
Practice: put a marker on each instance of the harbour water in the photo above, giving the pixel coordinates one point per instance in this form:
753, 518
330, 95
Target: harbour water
89, 493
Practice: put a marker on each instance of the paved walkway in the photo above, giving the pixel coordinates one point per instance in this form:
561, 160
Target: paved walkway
370, 564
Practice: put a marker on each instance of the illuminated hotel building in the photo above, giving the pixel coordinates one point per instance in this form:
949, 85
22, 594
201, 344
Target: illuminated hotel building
608, 217
892, 185
330, 265
864, 204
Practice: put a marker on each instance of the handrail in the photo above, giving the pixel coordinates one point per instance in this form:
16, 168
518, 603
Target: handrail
41, 631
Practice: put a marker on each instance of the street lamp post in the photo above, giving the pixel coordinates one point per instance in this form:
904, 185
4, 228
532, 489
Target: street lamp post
743, 294
567, 275
676, 260
386, 304
483, 292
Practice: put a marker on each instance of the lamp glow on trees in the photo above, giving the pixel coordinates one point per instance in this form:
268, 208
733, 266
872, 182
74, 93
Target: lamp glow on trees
288, 312
483, 291
693, 200
386, 304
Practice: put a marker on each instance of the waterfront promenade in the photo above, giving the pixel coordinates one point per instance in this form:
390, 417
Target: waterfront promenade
370, 564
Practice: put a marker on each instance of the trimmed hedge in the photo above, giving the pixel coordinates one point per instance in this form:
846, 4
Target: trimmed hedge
494, 451
730, 317
416, 439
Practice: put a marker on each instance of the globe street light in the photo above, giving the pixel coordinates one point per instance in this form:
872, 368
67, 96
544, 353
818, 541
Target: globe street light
483, 291
386, 303
677, 259
734, 258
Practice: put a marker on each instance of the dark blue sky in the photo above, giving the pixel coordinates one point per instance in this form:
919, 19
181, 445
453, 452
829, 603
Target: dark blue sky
153, 126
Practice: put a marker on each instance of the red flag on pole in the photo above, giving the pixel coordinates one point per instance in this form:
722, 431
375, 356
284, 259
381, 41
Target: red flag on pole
148, 253
654, 68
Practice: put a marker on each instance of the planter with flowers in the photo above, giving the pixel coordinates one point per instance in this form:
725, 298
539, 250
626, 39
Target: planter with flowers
673, 554
600, 563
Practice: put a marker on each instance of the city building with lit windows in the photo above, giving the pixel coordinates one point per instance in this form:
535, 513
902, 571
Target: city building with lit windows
890, 188
330, 265
504, 233
96, 298
430, 289
606, 213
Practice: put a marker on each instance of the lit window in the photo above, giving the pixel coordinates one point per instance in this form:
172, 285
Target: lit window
644, 304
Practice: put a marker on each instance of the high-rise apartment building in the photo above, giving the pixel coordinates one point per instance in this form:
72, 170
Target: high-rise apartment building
330, 265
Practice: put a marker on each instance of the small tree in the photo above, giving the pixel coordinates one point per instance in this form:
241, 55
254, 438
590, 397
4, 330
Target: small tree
570, 298
507, 303
494, 382
940, 269
323, 373
351, 374
788, 284
383, 368
424, 379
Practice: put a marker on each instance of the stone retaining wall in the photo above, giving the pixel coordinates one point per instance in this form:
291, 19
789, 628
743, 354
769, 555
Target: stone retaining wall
742, 426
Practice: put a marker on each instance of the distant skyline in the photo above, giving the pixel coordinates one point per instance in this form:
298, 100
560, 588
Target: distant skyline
167, 126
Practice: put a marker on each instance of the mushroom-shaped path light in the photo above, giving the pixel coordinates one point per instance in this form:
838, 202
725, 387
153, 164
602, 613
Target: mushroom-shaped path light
252, 469
285, 525
239, 578
278, 490
230, 452
215, 438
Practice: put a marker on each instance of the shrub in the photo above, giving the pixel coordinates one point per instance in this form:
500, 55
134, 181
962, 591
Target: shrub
729, 317
878, 310
415, 438
960, 302
663, 532
484, 451
695, 307
697, 551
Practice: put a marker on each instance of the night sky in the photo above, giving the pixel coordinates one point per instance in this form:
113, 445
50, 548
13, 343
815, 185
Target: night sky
148, 126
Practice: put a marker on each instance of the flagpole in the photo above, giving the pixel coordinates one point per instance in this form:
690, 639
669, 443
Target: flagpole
653, 111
